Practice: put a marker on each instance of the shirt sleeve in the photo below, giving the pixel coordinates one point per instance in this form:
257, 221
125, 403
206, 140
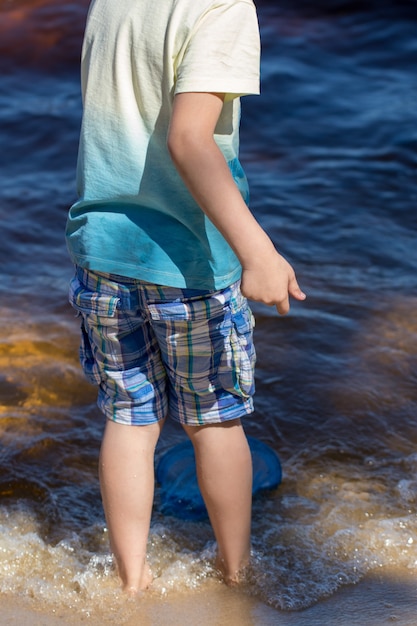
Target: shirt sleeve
223, 52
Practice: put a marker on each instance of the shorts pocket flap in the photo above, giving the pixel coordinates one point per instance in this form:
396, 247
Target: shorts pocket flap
90, 302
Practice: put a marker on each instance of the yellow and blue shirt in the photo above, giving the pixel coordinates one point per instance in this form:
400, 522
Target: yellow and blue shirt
134, 216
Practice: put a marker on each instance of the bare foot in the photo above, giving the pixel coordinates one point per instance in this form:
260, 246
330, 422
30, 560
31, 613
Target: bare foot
146, 581
231, 579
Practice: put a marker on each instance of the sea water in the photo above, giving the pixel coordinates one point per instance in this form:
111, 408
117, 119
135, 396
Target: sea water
330, 153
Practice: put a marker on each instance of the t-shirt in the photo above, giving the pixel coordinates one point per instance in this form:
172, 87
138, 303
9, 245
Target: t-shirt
135, 216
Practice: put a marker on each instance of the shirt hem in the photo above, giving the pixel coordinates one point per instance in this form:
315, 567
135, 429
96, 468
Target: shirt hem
167, 279
206, 87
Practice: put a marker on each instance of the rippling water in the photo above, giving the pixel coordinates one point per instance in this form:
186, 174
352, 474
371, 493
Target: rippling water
330, 151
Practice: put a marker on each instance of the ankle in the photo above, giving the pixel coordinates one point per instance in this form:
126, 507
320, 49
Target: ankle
132, 586
232, 576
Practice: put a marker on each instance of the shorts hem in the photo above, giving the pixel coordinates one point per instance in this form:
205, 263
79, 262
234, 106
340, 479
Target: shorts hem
215, 418
235, 412
128, 421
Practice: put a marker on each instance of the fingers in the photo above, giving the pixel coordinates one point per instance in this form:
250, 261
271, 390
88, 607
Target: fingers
283, 307
294, 291
274, 287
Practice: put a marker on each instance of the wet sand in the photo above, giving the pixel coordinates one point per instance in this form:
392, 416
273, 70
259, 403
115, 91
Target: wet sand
388, 596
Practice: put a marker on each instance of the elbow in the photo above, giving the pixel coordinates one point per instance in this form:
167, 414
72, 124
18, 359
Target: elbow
178, 147
174, 148
186, 147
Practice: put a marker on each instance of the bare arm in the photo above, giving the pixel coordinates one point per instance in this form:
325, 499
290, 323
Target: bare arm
266, 276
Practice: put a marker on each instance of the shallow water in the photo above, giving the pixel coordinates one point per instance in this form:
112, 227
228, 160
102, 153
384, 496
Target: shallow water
330, 152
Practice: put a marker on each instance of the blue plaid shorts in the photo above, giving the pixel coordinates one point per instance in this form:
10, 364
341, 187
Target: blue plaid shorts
155, 350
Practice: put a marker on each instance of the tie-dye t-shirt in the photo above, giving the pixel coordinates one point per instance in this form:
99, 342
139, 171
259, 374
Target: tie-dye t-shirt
134, 215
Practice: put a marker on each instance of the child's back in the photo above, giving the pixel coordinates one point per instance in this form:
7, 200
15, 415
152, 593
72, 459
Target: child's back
135, 215
161, 236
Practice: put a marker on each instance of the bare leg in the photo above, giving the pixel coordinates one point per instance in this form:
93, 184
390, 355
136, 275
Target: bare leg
224, 470
127, 488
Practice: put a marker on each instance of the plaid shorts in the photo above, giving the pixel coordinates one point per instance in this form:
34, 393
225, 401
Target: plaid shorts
155, 350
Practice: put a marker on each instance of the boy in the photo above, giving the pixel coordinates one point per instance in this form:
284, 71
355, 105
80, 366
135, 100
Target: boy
166, 252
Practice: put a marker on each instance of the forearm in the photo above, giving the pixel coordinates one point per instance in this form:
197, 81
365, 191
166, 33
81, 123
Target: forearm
208, 178
266, 275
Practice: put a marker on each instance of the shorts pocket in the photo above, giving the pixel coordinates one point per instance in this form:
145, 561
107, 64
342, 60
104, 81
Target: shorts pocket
98, 314
236, 372
190, 310
92, 303
87, 360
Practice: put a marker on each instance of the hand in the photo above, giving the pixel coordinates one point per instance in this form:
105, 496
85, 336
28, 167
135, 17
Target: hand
271, 280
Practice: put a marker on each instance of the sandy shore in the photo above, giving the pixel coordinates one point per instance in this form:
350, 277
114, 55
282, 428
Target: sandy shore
386, 597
